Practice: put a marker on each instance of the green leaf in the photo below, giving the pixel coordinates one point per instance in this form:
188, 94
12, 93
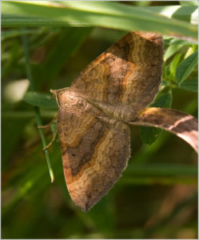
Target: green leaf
171, 50
150, 134
174, 63
163, 100
189, 3
101, 14
176, 41
194, 17
40, 100
185, 68
190, 85
184, 13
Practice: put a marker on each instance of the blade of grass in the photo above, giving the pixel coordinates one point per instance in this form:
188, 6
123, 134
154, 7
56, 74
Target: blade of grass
102, 14
184, 13
161, 170
158, 180
36, 109
7, 34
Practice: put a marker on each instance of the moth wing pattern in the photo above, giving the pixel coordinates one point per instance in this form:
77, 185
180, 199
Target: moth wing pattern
126, 76
110, 92
94, 154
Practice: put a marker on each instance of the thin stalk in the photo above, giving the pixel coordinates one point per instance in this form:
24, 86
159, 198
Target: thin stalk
36, 109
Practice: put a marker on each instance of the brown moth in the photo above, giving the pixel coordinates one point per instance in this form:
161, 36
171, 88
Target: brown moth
110, 92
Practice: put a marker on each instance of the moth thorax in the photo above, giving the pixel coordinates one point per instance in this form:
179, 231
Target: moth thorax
69, 99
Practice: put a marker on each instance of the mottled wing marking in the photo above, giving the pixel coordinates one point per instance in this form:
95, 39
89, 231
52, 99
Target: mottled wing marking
126, 76
94, 152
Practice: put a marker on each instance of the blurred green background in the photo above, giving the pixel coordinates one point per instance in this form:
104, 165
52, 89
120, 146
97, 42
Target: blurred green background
157, 195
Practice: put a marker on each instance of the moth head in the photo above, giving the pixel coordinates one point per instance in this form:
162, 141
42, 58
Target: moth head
67, 98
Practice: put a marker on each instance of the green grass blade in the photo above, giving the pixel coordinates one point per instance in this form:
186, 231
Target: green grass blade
185, 13
36, 109
102, 14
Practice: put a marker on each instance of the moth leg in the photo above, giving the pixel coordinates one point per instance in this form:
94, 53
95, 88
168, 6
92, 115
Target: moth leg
50, 123
53, 139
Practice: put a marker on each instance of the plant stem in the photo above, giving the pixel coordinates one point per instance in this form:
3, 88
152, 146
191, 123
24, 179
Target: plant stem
36, 109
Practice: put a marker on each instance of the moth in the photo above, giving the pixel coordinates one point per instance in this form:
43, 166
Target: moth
93, 114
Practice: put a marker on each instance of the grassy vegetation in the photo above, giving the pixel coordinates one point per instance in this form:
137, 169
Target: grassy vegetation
157, 195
